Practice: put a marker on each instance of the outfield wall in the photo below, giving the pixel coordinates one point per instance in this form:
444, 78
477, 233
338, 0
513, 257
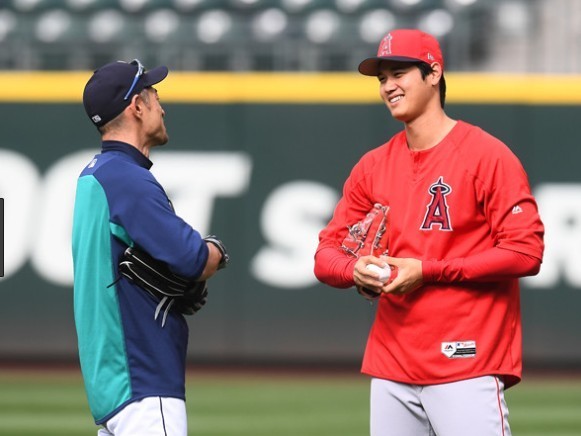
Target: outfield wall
259, 160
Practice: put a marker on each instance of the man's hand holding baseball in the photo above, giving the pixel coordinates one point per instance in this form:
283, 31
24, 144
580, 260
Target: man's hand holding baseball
367, 278
407, 275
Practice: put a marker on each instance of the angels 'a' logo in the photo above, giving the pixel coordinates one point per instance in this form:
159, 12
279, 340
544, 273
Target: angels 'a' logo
385, 46
437, 213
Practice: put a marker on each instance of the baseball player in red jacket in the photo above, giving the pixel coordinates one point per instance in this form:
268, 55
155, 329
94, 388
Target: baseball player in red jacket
459, 227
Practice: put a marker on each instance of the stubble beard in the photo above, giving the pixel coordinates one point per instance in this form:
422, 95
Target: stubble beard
162, 137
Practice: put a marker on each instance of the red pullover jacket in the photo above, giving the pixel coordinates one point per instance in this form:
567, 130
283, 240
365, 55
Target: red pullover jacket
463, 207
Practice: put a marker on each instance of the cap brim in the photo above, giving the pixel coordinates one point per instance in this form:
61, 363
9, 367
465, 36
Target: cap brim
155, 75
370, 66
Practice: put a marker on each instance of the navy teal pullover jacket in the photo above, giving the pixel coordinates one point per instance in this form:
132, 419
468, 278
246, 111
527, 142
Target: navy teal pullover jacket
125, 354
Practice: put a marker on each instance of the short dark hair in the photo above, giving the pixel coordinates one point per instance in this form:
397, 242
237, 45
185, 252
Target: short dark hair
116, 122
426, 69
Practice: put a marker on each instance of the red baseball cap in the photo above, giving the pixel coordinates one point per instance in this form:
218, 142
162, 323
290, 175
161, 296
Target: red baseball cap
405, 45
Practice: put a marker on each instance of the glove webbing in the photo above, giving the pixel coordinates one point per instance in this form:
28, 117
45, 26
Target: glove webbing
155, 277
153, 273
165, 312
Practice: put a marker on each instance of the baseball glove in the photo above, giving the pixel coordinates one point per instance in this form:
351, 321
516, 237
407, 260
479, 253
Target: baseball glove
368, 237
171, 290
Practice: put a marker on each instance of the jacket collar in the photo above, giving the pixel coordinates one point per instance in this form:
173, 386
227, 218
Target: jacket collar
129, 150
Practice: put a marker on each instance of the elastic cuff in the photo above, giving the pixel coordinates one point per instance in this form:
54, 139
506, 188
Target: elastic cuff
429, 270
350, 269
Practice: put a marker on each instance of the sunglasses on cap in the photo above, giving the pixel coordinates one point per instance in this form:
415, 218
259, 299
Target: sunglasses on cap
140, 71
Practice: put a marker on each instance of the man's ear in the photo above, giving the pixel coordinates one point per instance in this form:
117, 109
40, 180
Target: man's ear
136, 106
436, 73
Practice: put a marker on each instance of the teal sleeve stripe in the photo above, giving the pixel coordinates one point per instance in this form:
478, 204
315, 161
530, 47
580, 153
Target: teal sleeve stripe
100, 333
120, 233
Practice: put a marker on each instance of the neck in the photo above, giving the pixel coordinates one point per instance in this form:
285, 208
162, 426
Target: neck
428, 131
130, 139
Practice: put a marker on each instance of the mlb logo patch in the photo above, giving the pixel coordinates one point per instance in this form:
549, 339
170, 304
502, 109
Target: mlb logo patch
459, 350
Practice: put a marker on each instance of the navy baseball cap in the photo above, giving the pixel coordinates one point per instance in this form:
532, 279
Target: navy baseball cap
111, 87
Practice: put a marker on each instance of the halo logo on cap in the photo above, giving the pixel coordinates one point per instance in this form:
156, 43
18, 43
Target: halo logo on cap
404, 45
385, 47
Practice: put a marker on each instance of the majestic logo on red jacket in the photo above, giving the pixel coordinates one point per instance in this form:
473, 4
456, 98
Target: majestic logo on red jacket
437, 213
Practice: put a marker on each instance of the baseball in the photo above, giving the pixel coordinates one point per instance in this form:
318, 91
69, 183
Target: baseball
384, 273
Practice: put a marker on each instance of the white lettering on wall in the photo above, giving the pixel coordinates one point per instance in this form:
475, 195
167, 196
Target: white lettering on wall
291, 219
51, 254
193, 180
38, 216
19, 182
560, 210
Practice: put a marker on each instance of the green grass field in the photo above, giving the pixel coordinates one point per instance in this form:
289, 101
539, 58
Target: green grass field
53, 403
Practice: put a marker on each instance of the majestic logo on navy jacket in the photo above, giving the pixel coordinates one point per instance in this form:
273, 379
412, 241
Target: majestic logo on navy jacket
437, 214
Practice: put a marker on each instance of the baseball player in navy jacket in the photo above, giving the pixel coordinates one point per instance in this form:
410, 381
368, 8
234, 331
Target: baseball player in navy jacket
133, 364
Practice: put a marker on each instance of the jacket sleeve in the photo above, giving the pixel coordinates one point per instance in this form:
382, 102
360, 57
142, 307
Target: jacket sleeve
509, 205
143, 209
494, 264
333, 266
